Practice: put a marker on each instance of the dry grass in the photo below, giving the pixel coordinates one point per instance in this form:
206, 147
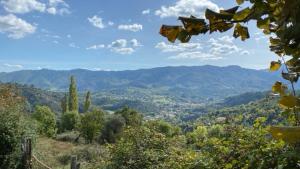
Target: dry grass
57, 154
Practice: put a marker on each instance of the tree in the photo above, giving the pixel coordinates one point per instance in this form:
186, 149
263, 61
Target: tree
132, 117
91, 124
70, 120
46, 121
65, 103
112, 129
87, 101
278, 19
73, 98
11, 126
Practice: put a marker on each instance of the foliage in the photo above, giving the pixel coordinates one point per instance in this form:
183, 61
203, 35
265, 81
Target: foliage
70, 120
46, 121
112, 129
73, 98
12, 127
87, 102
277, 18
132, 117
64, 104
91, 124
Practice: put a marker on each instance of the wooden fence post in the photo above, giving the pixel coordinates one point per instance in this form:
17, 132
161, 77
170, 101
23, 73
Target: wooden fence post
27, 153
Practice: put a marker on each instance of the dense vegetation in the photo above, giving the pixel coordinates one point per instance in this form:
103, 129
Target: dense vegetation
221, 137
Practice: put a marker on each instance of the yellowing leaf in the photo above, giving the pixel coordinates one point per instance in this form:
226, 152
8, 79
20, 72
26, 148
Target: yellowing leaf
194, 25
240, 1
241, 31
278, 87
289, 101
184, 36
287, 134
263, 23
241, 15
275, 66
171, 32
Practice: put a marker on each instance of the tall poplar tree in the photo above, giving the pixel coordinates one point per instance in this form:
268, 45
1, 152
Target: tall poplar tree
87, 102
65, 103
73, 98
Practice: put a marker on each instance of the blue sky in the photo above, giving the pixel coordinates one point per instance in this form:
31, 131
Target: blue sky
116, 35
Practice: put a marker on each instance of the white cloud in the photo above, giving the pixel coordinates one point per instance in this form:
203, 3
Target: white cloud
55, 41
245, 52
214, 49
55, 3
187, 8
69, 36
181, 47
133, 27
23, 6
123, 51
146, 11
226, 39
110, 23
15, 27
58, 7
96, 21
135, 43
195, 55
121, 46
222, 46
120, 43
16, 66
73, 45
52, 10
95, 47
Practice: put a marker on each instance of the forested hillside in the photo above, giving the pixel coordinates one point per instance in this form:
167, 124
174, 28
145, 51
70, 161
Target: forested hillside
198, 82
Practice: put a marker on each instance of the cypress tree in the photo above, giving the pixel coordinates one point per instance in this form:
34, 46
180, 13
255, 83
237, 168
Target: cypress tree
65, 103
88, 101
73, 98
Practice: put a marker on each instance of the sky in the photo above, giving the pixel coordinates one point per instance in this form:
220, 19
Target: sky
117, 35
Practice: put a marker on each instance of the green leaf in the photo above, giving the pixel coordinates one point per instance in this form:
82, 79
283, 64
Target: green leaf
263, 23
275, 66
241, 15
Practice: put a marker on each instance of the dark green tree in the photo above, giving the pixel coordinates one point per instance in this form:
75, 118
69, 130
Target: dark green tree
65, 103
87, 102
73, 97
70, 120
132, 117
91, 124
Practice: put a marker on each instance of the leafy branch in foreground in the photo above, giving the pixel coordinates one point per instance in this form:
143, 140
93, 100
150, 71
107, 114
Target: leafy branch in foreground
278, 19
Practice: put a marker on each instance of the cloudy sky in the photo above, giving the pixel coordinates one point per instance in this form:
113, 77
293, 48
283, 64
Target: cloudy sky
116, 35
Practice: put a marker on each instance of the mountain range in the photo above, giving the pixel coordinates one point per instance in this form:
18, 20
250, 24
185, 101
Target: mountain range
185, 81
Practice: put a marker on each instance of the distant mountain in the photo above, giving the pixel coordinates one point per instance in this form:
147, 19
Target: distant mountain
195, 82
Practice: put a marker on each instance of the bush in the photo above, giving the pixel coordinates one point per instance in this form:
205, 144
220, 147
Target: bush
46, 121
91, 124
70, 120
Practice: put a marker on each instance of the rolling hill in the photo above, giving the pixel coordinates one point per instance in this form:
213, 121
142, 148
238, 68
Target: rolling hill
192, 83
